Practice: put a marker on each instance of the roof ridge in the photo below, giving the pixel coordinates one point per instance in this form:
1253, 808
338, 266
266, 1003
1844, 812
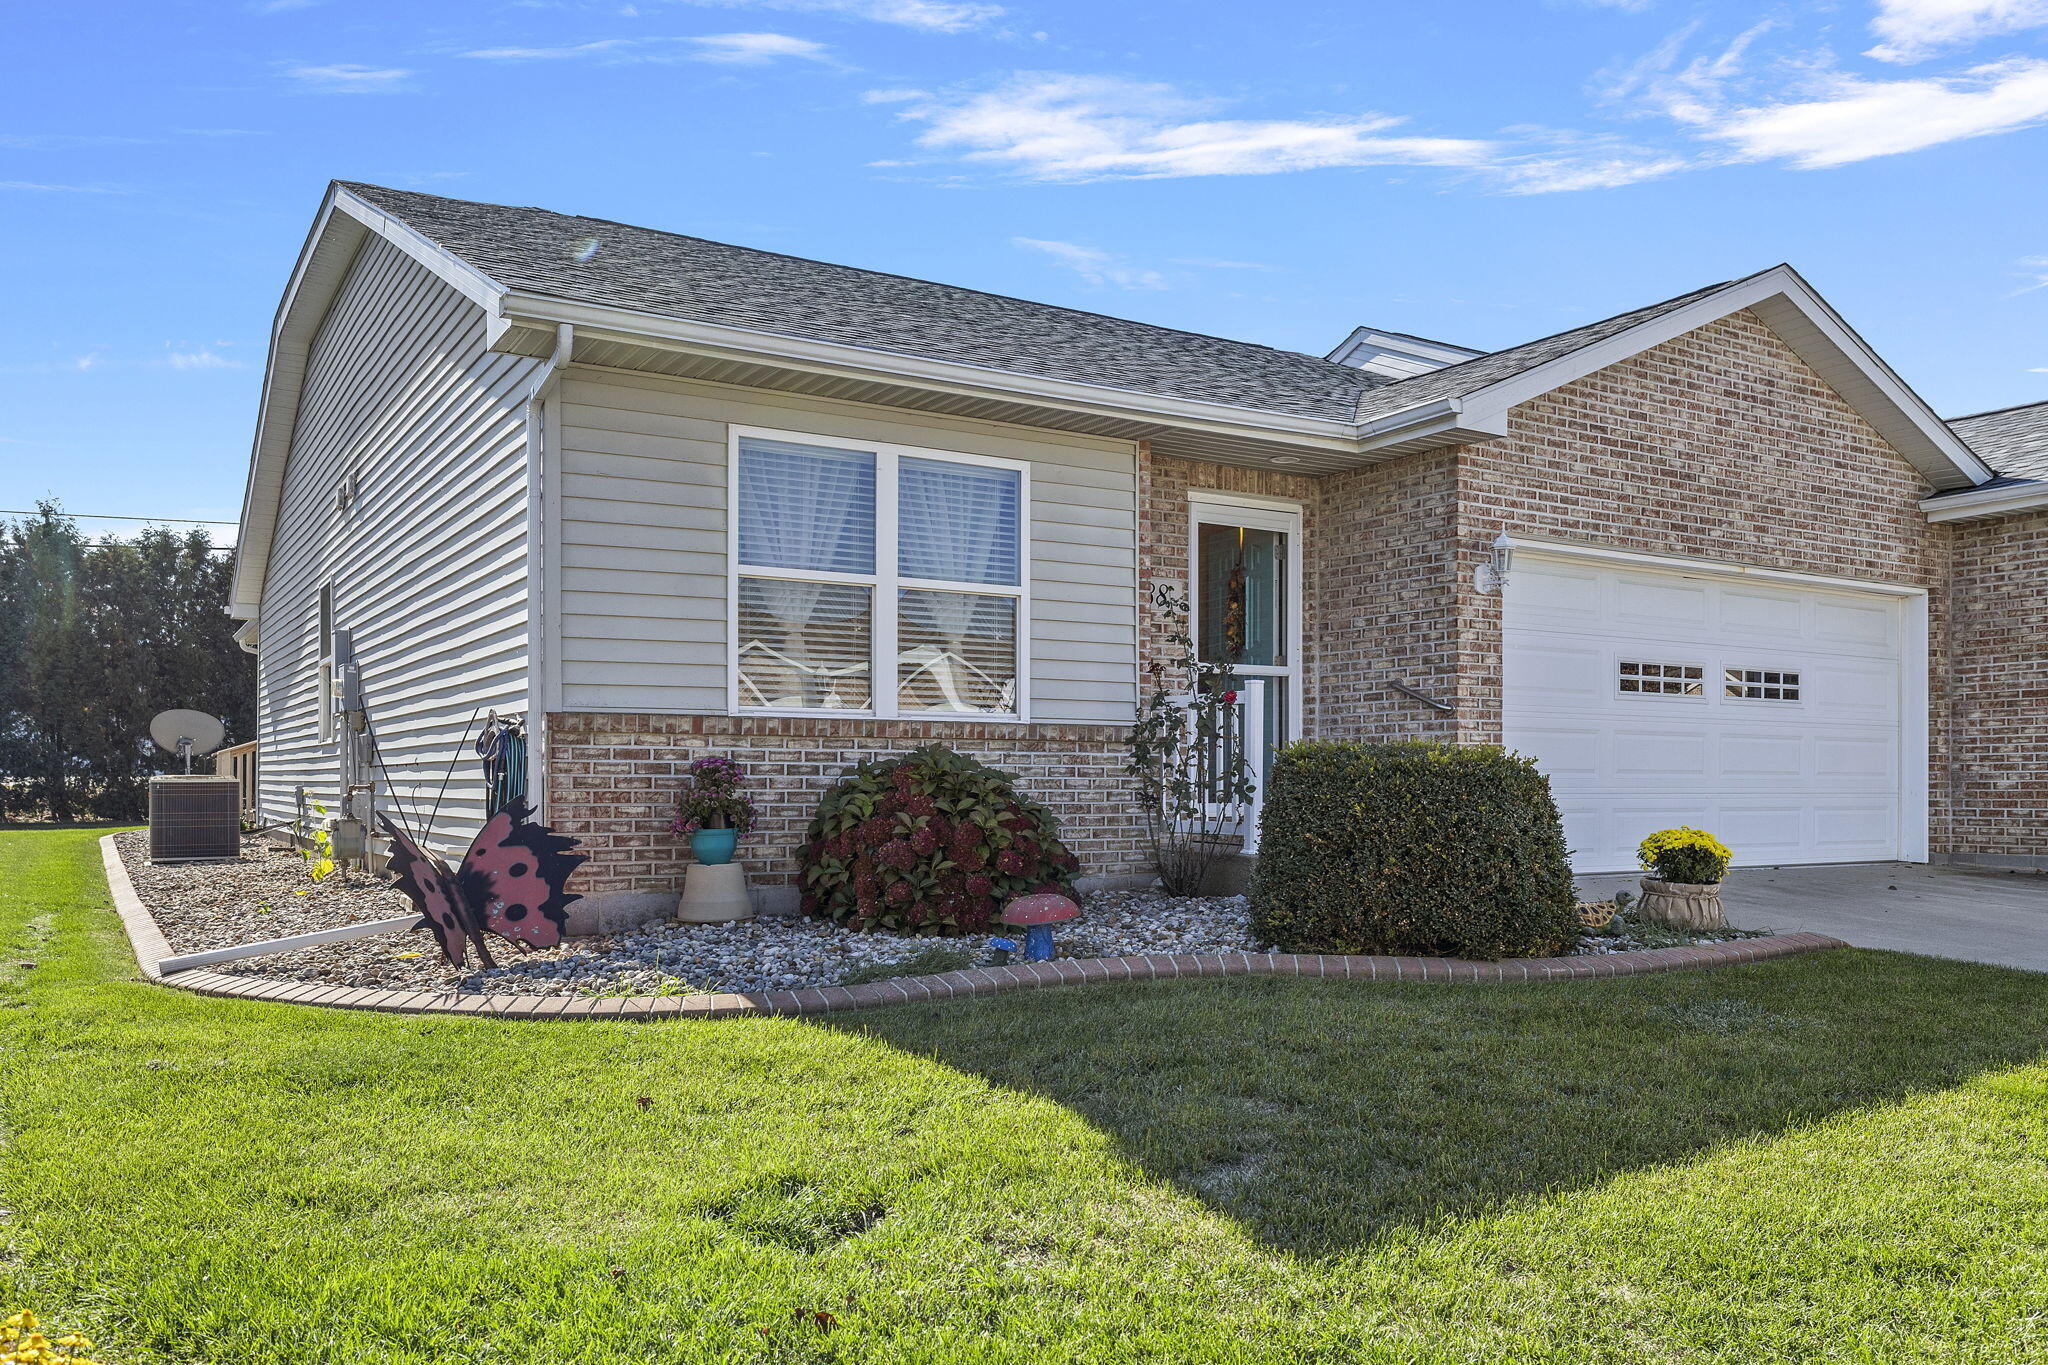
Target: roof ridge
864, 270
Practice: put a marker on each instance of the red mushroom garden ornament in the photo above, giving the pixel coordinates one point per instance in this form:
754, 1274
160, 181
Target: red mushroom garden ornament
1036, 915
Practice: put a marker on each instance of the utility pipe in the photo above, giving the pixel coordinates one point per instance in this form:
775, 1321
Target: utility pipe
538, 665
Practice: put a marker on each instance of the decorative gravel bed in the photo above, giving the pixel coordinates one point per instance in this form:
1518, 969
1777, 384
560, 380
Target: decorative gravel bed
268, 895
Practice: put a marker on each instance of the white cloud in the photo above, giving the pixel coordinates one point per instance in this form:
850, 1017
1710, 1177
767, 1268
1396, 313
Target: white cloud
1212, 263
1096, 267
1589, 169
2034, 269
205, 358
279, 6
1850, 119
600, 48
1055, 127
730, 49
348, 78
1800, 109
754, 49
46, 187
1912, 30
938, 16
1065, 128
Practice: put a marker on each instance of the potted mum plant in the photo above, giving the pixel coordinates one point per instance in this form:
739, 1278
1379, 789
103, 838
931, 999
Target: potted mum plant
711, 810
1683, 890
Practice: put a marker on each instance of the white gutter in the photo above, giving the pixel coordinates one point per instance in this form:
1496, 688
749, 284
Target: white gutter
1986, 502
538, 661
632, 327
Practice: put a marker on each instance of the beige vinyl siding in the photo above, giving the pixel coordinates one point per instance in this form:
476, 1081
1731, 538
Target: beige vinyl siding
428, 566
643, 541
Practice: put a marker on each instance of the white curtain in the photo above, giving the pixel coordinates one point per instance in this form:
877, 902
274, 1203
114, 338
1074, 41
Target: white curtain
806, 507
958, 522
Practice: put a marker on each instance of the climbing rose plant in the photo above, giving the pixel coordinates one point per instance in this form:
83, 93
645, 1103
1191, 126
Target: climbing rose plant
1186, 758
929, 843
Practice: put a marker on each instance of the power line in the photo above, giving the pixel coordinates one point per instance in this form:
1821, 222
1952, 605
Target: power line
111, 516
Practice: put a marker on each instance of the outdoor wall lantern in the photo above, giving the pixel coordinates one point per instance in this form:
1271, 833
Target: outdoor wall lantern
1492, 576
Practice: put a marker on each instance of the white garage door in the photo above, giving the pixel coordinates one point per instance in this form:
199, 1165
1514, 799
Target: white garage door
1764, 711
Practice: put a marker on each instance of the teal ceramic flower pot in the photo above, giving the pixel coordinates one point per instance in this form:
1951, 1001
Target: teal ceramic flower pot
714, 846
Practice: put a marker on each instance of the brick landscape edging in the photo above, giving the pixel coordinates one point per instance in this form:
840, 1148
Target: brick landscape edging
150, 948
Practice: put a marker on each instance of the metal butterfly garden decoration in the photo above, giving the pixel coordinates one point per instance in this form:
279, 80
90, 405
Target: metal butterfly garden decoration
510, 883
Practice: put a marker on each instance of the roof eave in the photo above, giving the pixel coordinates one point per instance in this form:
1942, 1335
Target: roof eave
1986, 502
608, 321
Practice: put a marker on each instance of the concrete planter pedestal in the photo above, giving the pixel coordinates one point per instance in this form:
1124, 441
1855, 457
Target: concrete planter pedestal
714, 893
1682, 905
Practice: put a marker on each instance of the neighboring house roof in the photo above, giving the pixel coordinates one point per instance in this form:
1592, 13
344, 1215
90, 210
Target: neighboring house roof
2013, 441
543, 252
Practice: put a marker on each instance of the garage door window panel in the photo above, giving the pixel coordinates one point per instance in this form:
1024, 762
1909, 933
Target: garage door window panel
1760, 684
1642, 678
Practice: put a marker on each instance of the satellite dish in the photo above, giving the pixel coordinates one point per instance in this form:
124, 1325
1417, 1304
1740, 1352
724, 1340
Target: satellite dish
188, 734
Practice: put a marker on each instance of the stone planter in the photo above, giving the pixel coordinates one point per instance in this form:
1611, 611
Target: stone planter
1682, 905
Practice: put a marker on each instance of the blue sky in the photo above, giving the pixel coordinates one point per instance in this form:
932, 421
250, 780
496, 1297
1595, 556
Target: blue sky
1280, 172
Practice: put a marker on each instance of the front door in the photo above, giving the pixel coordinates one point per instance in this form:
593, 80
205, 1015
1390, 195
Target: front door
1247, 611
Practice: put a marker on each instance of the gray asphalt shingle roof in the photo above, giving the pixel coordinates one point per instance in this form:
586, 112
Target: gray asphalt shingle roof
536, 251
599, 261
2013, 441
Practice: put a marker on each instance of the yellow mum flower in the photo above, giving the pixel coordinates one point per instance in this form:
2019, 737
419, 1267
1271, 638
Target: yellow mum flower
1685, 839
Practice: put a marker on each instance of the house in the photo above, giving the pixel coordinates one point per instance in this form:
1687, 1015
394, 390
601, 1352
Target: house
1710, 561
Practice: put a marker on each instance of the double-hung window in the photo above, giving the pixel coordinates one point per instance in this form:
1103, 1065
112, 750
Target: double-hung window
876, 579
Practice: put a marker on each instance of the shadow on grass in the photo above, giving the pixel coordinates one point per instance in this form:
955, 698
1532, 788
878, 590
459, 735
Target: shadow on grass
1324, 1116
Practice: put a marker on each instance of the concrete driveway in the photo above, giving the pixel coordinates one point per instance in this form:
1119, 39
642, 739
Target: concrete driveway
1980, 916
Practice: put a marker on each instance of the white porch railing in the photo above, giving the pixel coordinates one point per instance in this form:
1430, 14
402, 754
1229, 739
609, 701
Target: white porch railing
1243, 730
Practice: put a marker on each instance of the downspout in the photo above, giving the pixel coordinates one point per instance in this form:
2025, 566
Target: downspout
538, 664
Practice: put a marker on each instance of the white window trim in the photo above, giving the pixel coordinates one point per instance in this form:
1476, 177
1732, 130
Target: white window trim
885, 582
1258, 514
324, 690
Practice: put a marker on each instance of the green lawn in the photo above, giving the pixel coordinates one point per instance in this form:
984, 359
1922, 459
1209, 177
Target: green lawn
1841, 1157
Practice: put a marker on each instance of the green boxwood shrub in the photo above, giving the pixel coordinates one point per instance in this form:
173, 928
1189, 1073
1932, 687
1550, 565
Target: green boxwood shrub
1413, 848
932, 842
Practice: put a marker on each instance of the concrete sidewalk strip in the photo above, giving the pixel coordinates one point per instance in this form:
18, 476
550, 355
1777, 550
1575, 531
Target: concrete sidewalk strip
1973, 914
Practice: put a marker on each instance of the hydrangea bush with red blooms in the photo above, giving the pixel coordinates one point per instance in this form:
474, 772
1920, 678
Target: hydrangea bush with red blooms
929, 843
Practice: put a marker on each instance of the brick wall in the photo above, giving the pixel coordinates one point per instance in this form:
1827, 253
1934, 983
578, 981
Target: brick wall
1164, 483
613, 780
1997, 774
1388, 590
